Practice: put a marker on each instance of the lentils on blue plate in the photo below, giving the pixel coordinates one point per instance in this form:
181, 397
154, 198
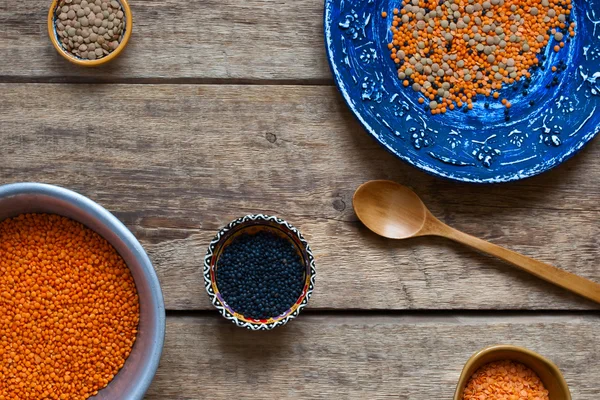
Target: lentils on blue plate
260, 275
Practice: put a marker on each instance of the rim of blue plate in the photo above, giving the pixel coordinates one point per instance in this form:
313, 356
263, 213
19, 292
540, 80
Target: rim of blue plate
506, 178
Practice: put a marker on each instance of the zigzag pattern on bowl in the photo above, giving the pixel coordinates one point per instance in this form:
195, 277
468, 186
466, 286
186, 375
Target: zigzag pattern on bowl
213, 296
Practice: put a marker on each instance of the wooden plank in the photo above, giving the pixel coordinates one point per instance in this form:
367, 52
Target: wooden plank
191, 40
327, 357
176, 162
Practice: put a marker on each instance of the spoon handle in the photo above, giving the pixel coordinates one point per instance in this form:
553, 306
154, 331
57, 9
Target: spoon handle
582, 286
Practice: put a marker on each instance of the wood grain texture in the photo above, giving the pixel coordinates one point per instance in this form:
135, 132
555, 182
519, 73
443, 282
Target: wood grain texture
191, 40
176, 162
322, 357
557, 276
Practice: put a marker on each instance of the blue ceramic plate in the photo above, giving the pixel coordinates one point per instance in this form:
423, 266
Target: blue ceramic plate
479, 145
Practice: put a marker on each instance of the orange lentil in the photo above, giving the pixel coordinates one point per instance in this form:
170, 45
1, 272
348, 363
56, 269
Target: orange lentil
384, 14
474, 48
70, 311
501, 380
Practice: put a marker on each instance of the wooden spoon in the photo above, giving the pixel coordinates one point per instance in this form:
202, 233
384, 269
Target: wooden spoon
396, 212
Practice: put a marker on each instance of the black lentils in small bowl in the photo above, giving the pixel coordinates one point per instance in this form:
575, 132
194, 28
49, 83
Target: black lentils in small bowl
260, 275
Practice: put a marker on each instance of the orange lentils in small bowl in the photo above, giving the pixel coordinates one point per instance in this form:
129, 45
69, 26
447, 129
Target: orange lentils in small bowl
505, 380
505, 372
451, 51
69, 309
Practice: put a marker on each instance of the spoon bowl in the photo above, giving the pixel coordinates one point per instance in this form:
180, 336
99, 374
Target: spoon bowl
390, 209
396, 212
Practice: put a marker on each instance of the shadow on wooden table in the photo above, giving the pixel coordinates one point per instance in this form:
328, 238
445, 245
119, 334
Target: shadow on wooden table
250, 346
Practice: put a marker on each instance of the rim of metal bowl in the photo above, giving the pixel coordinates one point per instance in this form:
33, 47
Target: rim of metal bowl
215, 298
124, 234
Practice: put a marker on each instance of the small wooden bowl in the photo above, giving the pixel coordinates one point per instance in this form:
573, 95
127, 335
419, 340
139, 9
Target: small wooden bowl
90, 63
253, 224
548, 372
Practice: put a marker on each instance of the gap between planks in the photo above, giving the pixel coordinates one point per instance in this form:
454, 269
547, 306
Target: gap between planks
70, 80
423, 316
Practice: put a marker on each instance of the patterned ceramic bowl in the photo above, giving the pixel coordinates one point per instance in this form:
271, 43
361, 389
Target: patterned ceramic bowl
253, 224
547, 371
128, 26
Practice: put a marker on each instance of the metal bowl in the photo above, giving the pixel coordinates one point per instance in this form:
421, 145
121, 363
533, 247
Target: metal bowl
133, 380
253, 224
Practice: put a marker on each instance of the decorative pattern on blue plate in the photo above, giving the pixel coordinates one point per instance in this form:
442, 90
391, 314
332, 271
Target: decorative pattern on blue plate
549, 123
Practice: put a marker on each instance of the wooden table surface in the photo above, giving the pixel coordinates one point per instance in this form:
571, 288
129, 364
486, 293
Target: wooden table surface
219, 109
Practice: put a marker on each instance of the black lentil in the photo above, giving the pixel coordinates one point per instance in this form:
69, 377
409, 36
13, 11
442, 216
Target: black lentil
260, 275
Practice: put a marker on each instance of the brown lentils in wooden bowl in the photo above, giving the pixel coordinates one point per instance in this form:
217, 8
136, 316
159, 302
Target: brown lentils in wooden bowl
90, 29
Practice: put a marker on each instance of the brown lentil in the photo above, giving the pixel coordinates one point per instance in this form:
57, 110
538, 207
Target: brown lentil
475, 46
78, 23
68, 309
